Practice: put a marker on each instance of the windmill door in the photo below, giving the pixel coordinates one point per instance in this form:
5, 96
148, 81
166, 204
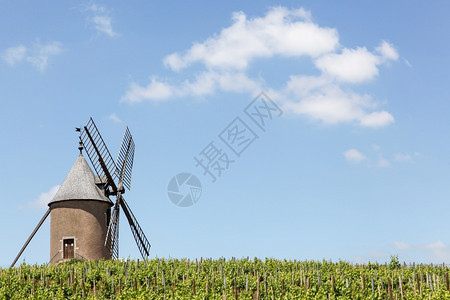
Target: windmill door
68, 248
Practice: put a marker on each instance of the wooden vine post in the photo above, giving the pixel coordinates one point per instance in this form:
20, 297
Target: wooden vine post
447, 283
332, 284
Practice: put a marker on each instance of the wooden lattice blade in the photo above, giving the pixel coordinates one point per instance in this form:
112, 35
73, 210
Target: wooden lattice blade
138, 234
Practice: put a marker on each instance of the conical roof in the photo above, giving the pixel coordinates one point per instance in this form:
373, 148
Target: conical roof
79, 184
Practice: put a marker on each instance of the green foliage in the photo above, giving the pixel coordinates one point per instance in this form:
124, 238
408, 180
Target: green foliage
394, 263
220, 279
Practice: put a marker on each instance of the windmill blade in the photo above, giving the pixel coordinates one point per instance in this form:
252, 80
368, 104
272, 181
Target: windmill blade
115, 235
112, 235
98, 154
31, 236
141, 241
124, 160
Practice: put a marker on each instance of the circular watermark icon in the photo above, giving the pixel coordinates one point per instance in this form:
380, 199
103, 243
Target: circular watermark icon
184, 189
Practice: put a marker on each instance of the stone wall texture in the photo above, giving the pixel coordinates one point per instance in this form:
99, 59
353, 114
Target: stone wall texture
83, 220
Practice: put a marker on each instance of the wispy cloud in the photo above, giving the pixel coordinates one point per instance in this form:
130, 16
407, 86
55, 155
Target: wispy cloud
101, 20
407, 157
37, 55
437, 251
402, 157
383, 163
376, 158
42, 53
103, 24
290, 33
113, 117
407, 63
43, 199
14, 55
402, 246
96, 8
354, 156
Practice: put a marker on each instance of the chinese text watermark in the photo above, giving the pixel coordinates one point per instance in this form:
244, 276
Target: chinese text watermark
214, 159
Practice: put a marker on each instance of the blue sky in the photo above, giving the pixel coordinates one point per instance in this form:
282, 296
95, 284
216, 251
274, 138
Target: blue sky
355, 168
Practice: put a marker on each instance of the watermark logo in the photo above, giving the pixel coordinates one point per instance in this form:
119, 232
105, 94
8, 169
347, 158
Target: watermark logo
213, 161
262, 110
184, 189
219, 154
238, 136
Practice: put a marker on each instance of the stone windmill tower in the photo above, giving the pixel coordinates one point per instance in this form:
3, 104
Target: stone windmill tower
80, 215
82, 225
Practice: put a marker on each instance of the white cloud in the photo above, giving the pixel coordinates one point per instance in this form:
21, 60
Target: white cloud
42, 53
352, 65
155, 91
322, 99
376, 147
14, 54
356, 65
329, 104
437, 251
402, 157
407, 157
96, 8
224, 59
38, 55
101, 20
205, 83
383, 163
402, 246
208, 82
301, 86
376, 157
354, 156
407, 63
237, 82
113, 117
44, 198
377, 119
378, 254
280, 32
387, 51
103, 24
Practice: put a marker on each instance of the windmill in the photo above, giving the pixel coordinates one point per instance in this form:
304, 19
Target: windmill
82, 224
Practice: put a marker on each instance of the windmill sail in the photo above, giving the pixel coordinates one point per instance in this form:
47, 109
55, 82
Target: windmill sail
139, 236
112, 235
117, 174
124, 160
124, 165
98, 154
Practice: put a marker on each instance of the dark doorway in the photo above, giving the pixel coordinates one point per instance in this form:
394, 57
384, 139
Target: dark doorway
68, 245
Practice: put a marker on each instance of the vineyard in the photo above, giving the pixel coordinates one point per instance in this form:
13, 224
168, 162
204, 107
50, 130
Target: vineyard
224, 279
